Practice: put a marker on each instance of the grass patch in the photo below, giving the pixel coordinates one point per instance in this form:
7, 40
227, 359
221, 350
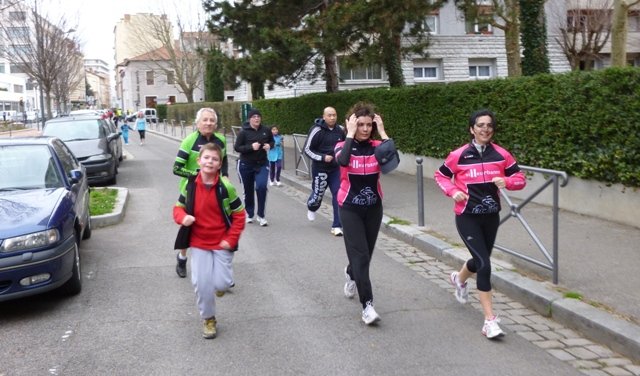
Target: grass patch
398, 221
572, 295
102, 200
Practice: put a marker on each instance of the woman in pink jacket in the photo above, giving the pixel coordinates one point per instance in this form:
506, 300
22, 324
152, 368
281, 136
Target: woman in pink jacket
472, 175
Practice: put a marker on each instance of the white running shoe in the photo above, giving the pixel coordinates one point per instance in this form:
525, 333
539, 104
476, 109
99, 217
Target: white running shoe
349, 286
263, 221
278, 183
336, 231
369, 314
271, 183
311, 215
249, 220
462, 291
491, 329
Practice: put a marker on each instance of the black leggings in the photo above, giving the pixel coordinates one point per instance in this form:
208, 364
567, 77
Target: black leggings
478, 232
361, 226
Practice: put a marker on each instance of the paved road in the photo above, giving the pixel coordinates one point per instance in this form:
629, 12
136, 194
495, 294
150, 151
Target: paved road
286, 316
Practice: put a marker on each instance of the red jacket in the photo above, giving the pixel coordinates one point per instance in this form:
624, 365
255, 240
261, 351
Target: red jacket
210, 228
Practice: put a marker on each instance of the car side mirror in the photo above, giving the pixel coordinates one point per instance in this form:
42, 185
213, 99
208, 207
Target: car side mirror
75, 176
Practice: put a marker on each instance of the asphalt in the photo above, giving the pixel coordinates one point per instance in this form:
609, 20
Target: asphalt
598, 259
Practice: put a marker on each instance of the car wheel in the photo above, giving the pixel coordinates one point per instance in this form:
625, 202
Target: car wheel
87, 230
74, 285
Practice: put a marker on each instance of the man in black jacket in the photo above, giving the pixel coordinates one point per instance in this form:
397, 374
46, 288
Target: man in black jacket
253, 143
325, 172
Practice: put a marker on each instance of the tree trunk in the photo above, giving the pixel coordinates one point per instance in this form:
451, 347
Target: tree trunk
331, 73
512, 45
392, 61
619, 34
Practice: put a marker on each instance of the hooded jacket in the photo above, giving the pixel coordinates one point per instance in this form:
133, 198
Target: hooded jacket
321, 141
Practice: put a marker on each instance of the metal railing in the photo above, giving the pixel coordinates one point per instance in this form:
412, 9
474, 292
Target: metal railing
557, 179
299, 155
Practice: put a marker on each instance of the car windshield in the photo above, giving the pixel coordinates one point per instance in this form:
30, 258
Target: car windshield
74, 130
25, 167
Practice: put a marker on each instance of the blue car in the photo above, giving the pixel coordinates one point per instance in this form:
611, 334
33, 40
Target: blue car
44, 214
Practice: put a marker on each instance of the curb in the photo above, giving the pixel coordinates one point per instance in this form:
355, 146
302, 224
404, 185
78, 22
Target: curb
117, 215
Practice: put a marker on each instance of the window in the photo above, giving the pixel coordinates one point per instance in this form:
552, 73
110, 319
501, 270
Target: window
371, 72
19, 33
17, 68
171, 79
431, 24
475, 27
480, 69
150, 79
18, 16
18, 88
20, 49
427, 70
634, 22
2, 68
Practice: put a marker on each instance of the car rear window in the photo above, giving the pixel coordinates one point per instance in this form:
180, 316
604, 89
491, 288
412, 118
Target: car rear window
75, 130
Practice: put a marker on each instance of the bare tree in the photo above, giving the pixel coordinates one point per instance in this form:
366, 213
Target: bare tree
70, 79
181, 59
584, 29
39, 48
503, 15
619, 31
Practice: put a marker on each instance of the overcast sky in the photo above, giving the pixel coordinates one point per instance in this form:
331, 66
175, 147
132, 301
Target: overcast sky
94, 20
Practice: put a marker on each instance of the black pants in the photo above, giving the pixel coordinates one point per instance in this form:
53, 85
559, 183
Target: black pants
478, 232
361, 227
321, 179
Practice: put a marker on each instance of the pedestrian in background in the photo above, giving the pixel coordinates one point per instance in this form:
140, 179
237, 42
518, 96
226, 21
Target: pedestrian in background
253, 143
360, 197
325, 172
186, 162
212, 219
141, 125
472, 176
275, 156
125, 132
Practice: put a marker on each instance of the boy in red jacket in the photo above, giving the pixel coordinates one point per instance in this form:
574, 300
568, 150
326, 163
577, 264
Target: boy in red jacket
212, 218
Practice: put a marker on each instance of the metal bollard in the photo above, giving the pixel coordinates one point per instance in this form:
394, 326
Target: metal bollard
420, 181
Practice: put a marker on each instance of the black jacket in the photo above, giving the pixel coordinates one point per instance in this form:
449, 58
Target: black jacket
320, 142
248, 136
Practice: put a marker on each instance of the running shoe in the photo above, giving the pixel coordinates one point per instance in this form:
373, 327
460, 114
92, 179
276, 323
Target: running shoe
311, 215
369, 314
349, 286
491, 329
462, 290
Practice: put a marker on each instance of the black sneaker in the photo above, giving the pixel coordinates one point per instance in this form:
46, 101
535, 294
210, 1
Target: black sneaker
181, 267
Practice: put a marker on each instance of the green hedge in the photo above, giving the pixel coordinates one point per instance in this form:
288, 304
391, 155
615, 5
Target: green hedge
583, 123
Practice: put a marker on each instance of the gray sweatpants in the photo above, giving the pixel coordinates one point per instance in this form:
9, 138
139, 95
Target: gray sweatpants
211, 271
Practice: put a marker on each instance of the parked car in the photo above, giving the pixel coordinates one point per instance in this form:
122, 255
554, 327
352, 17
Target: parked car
93, 142
44, 214
114, 129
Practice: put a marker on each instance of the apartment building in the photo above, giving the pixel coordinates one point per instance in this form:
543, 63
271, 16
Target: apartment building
144, 77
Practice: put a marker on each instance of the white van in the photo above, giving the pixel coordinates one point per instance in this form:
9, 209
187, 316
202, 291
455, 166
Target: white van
150, 114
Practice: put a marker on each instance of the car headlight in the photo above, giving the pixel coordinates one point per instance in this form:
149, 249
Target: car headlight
30, 241
99, 158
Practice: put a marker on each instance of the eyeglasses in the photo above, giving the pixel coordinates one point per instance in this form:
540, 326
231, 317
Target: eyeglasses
484, 125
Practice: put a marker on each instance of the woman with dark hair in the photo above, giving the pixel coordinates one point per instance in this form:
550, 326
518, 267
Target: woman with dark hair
472, 175
360, 199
